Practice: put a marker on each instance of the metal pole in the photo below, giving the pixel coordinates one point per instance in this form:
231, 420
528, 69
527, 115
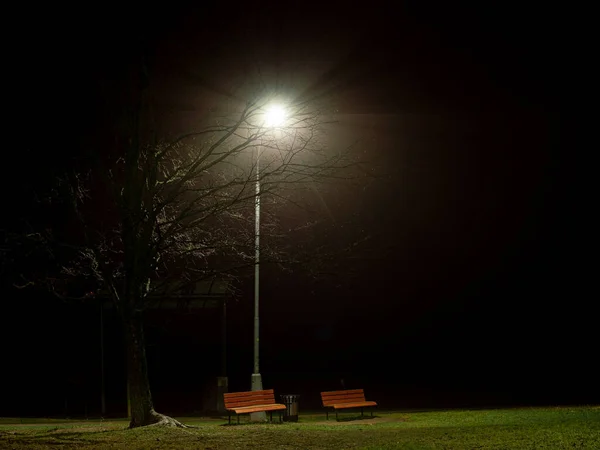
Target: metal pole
256, 263
256, 377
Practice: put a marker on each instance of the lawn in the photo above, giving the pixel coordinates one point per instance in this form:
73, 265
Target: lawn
522, 428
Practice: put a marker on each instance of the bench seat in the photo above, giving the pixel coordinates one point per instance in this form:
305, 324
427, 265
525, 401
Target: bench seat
353, 405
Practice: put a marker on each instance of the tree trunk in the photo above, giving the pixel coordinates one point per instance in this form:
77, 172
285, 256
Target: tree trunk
140, 396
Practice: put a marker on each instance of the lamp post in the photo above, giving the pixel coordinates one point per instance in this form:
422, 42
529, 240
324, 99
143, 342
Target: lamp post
274, 117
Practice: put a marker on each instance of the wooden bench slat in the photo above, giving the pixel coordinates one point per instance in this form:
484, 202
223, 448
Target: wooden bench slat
259, 400
249, 393
347, 391
247, 398
342, 395
356, 400
249, 409
353, 405
344, 398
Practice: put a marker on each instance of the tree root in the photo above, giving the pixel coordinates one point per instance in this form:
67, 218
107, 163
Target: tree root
160, 420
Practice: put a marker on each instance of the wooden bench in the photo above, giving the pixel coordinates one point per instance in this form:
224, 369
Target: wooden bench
352, 398
252, 401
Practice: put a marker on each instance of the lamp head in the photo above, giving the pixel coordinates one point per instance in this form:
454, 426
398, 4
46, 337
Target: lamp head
275, 115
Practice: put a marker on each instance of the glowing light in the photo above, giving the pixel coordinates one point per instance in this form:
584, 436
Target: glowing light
275, 116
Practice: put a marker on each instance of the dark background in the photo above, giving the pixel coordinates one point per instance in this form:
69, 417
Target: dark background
476, 286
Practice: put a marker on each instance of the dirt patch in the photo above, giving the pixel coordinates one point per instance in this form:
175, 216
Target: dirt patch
369, 421
87, 429
53, 425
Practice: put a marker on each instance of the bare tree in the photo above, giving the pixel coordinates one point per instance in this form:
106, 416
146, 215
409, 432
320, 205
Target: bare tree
150, 210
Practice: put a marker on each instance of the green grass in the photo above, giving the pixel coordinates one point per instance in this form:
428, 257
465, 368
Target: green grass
522, 428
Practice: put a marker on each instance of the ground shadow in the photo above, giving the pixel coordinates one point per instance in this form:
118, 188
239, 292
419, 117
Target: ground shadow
249, 423
354, 418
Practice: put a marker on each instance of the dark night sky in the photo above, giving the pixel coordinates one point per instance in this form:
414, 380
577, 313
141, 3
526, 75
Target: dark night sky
474, 287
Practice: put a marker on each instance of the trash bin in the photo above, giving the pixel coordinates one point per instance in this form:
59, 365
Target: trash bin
291, 407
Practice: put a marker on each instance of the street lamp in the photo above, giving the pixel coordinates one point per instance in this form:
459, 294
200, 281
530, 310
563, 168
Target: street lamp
274, 116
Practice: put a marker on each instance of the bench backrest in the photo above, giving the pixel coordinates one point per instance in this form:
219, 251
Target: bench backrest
337, 397
249, 398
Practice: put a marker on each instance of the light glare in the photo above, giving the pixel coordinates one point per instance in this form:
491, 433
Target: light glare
275, 116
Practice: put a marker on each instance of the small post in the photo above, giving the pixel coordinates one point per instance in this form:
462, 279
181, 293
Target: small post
102, 383
222, 380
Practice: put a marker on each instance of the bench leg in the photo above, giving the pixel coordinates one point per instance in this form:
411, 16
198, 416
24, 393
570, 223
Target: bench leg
326, 414
362, 413
270, 416
336, 415
280, 417
238, 419
229, 417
